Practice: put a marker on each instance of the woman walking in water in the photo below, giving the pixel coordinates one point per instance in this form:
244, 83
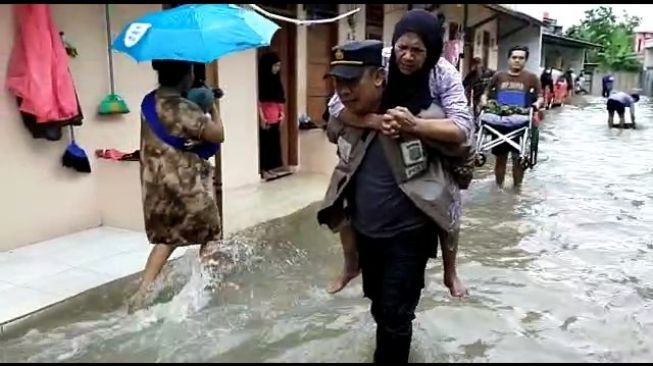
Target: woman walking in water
177, 139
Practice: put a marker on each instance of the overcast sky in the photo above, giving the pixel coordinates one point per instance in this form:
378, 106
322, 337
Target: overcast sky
570, 14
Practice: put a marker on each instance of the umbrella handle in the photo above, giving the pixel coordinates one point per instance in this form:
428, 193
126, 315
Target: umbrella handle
107, 19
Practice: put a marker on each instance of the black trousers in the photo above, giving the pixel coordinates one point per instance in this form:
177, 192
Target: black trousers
615, 106
269, 151
393, 278
605, 92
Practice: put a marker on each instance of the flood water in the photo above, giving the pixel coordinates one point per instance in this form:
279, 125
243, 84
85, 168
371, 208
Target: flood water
562, 271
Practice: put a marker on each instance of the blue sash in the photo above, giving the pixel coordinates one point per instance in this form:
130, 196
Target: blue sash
514, 98
204, 150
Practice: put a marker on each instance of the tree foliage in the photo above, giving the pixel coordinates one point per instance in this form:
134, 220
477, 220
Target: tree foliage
615, 34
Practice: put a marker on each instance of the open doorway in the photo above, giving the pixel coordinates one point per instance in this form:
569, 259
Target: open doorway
374, 14
320, 39
284, 46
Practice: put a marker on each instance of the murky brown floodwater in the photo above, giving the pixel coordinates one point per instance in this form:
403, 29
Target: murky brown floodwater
561, 272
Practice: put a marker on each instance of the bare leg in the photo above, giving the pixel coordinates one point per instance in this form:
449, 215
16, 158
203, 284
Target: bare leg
155, 262
350, 268
622, 120
451, 280
500, 168
610, 119
517, 172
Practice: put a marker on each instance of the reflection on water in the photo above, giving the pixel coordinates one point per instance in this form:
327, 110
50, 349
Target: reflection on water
561, 272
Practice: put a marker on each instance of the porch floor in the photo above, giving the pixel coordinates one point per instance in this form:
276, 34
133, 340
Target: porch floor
42, 274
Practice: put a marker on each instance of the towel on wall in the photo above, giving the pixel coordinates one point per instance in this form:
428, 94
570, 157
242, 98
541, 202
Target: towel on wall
38, 73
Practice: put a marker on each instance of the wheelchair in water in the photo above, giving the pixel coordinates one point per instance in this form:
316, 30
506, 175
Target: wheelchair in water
509, 119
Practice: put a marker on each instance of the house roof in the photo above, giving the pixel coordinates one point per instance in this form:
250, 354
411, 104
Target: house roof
514, 13
567, 41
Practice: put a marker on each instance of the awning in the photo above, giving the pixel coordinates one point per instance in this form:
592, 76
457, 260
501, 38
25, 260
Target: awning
548, 38
514, 13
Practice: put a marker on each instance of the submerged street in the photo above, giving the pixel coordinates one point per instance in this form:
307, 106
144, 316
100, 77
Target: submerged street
560, 272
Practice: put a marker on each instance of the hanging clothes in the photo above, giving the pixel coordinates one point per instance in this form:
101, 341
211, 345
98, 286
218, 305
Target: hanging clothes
38, 73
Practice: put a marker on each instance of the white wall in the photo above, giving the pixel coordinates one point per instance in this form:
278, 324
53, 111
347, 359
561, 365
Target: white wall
475, 14
237, 75
648, 58
301, 62
490, 27
392, 15
345, 32
43, 200
40, 198
563, 57
623, 81
530, 37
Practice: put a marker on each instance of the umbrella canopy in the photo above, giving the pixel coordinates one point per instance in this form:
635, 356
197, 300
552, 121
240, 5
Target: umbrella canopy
196, 32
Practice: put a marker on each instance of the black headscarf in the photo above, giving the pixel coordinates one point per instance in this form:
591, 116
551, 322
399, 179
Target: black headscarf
172, 72
413, 91
270, 88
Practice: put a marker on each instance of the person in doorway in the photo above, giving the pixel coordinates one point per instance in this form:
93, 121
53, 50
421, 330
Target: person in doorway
618, 102
607, 84
516, 78
271, 110
178, 197
476, 81
444, 83
397, 201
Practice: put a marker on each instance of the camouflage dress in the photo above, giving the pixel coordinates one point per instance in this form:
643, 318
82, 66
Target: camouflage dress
177, 186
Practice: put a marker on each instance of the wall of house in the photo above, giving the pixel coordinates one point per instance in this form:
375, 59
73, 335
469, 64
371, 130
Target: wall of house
530, 37
623, 81
47, 200
640, 41
301, 63
647, 82
357, 32
319, 155
491, 28
393, 13
41, 198
562, 57
647, 74
238, 108
648, 58
475, 14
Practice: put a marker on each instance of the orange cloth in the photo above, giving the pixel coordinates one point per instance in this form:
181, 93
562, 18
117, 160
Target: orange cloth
38, 70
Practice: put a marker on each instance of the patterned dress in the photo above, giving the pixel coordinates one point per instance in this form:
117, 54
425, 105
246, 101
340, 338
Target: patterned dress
177, 186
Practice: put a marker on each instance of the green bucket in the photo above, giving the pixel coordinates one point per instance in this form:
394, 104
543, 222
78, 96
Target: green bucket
113, 104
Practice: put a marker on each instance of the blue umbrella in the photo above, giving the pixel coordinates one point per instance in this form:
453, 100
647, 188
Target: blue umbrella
196, 32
